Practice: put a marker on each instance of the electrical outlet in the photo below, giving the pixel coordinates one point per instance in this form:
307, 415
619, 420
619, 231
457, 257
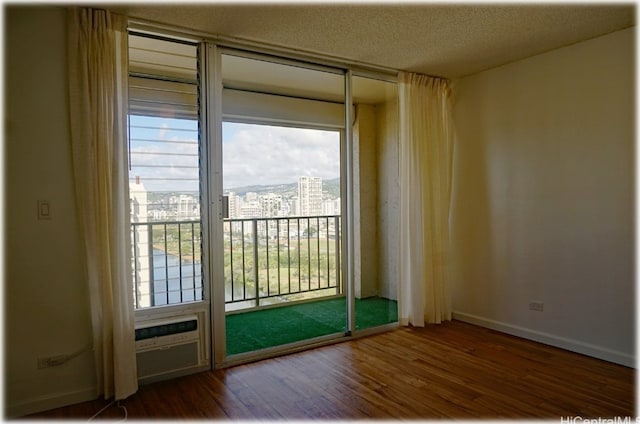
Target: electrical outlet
536, 306
51, 361
44, 209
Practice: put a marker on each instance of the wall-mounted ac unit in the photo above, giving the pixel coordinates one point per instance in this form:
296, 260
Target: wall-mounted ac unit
170, 347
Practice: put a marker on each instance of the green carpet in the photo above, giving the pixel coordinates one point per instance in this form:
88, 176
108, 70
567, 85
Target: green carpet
255, 330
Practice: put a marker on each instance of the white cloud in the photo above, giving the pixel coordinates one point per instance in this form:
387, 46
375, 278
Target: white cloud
164, 128
261, 154
252, 155
162, 172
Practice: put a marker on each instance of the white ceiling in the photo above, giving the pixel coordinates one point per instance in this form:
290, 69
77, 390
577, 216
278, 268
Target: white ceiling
442, 39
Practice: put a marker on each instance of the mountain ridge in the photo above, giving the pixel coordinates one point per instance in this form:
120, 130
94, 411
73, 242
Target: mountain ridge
330, 187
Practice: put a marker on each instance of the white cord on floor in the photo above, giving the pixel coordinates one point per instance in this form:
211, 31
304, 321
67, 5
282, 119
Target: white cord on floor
101, 411
118, 404
121, 406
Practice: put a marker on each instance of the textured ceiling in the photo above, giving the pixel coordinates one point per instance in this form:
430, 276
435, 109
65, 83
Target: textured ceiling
449, 40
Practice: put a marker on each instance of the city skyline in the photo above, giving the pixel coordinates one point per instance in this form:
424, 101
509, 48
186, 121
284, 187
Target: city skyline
308, 199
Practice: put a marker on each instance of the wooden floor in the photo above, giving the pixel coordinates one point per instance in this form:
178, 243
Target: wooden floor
453, 370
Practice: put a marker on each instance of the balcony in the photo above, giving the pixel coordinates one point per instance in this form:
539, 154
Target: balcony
274, 269
280, 260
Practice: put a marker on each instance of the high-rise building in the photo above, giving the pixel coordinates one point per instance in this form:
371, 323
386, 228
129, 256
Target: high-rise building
251, 209
138, 201
310, 196
271, 205
234, 204
188, 207
331, 206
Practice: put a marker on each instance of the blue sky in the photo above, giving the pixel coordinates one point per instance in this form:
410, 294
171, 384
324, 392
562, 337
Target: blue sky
151, 140
252, 154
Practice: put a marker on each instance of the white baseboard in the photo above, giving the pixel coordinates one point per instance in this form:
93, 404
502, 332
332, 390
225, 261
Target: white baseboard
550, 339
48, 402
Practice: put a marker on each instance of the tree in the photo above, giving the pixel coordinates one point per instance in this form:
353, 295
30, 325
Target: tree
309, 232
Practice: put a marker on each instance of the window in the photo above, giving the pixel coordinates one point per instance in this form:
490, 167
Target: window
164, 173
294, 210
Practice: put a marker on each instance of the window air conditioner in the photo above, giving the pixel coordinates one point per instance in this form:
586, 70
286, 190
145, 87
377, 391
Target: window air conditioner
169, 347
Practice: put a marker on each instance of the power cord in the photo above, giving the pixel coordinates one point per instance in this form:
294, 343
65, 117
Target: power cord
118, 404
101, 411
56, 361
124, 408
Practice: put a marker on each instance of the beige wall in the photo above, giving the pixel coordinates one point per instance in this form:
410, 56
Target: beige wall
375, 168
45, 299
365, 172
388, 197
543, 204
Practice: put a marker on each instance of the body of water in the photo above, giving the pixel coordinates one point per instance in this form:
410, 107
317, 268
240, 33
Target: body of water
175, 282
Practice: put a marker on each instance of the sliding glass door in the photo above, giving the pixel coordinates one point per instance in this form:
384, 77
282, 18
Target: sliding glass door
282, 136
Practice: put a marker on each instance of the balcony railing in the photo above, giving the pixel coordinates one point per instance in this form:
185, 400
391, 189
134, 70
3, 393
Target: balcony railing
166, 262
266, 261
271, 260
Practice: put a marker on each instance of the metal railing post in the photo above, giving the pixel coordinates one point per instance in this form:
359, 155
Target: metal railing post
136, 278
255, 261
152, 288
336, 234
180, 259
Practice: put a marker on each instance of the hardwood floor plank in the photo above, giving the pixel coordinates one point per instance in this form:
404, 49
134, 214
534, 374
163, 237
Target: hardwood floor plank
453, 370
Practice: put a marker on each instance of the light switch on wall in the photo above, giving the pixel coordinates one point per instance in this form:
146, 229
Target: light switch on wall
44, 209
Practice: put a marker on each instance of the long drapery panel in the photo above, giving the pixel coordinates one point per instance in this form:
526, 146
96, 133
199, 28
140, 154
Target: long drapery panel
97, 48
426, 154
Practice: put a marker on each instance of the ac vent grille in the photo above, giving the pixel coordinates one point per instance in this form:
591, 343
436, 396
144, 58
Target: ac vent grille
166, 329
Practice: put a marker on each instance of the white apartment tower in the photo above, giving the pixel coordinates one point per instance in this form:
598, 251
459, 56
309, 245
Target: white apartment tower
309, 196
234, 204
271, 205
140, 242
331, 206
188, 207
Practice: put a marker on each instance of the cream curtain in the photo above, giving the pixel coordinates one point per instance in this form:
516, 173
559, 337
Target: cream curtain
426, 152
97, 100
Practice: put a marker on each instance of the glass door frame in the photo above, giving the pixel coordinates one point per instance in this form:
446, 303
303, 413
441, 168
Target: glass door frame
212, 111
212, 120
